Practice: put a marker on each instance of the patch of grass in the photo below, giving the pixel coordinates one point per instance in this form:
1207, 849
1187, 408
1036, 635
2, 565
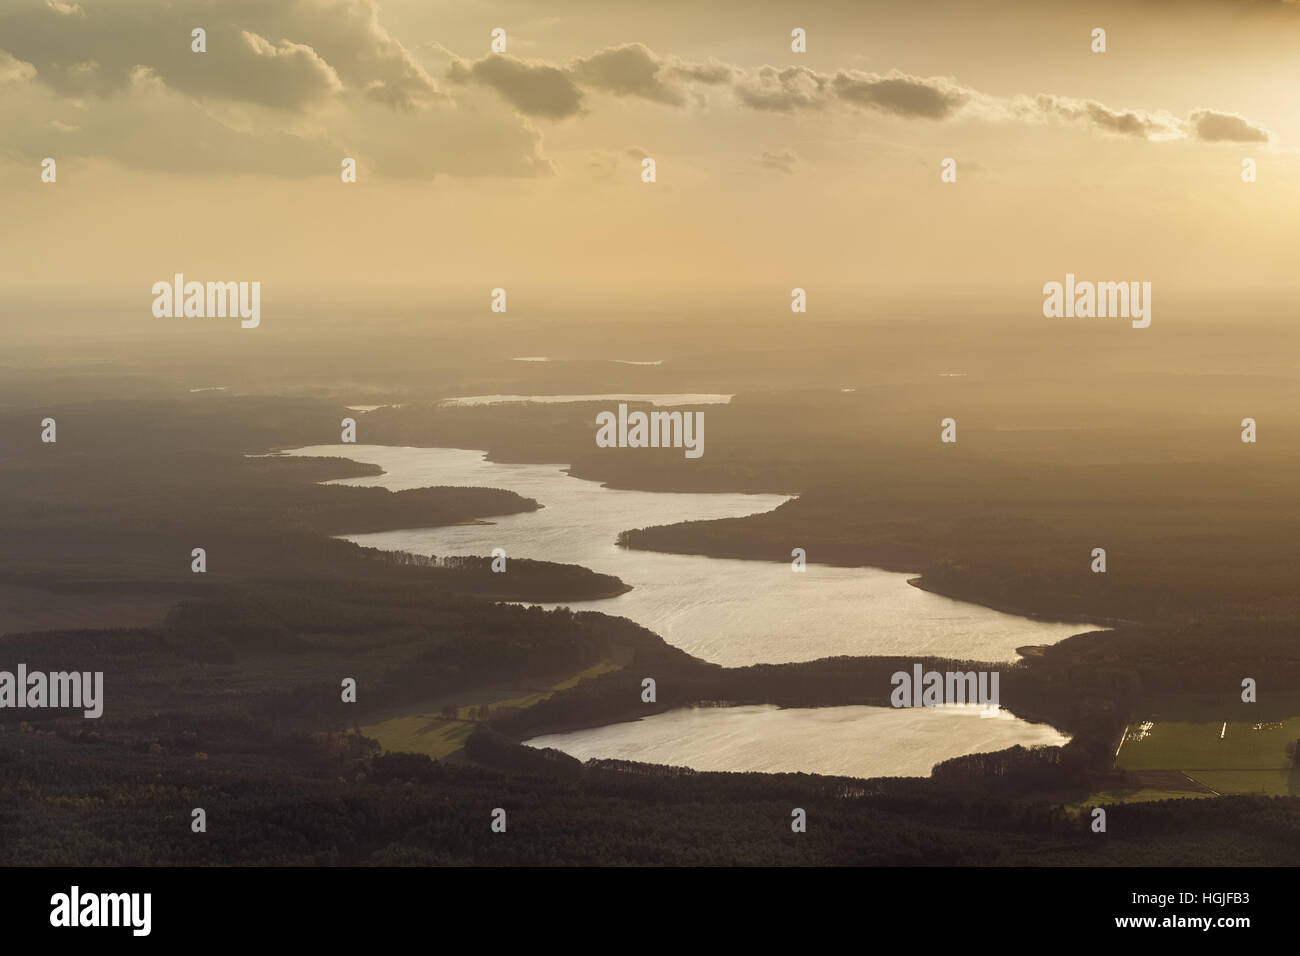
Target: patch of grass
1247, 757
1277, 783
437, 737
1135, 795
433, 731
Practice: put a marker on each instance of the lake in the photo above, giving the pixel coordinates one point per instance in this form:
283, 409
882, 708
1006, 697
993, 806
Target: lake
846, 741
731, 612
727, 611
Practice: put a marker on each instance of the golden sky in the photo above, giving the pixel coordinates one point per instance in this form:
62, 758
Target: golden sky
775, 169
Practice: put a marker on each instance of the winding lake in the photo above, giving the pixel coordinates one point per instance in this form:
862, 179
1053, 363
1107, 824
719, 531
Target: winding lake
731, 612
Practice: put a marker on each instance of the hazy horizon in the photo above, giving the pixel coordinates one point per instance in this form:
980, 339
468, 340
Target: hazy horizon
390, 385
775, 169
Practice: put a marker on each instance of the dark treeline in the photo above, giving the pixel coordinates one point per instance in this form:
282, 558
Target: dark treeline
1091, 705
130, 488
279, 651
329, 803
233, 702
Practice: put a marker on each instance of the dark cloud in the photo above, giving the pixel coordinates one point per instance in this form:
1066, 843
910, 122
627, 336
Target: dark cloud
1127, 123
554, 91
535, 89
1215, 127
708, 73
799, 88
939, 98
152, 126
1135, 123
901, 94
301, 52
117, 78
795, 87
287, 75
349, 36
630, 70
1206, 125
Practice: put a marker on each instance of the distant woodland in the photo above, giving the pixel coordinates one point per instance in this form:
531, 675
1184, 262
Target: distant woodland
230, 699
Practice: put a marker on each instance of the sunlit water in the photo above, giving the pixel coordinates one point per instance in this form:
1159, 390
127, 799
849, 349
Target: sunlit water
847, 741
731, 612
683, 398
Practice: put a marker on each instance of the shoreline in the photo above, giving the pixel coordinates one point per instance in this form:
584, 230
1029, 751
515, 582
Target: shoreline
1103, 622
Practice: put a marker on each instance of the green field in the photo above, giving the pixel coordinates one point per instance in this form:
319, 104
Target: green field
434, 731
1245, 757
1133, 795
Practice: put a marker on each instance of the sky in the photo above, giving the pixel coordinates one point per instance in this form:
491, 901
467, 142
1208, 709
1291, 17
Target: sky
523, 169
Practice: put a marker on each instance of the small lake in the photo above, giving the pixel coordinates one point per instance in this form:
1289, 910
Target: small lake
847, 741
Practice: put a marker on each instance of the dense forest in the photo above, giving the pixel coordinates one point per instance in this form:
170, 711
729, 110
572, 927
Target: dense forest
230, 698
